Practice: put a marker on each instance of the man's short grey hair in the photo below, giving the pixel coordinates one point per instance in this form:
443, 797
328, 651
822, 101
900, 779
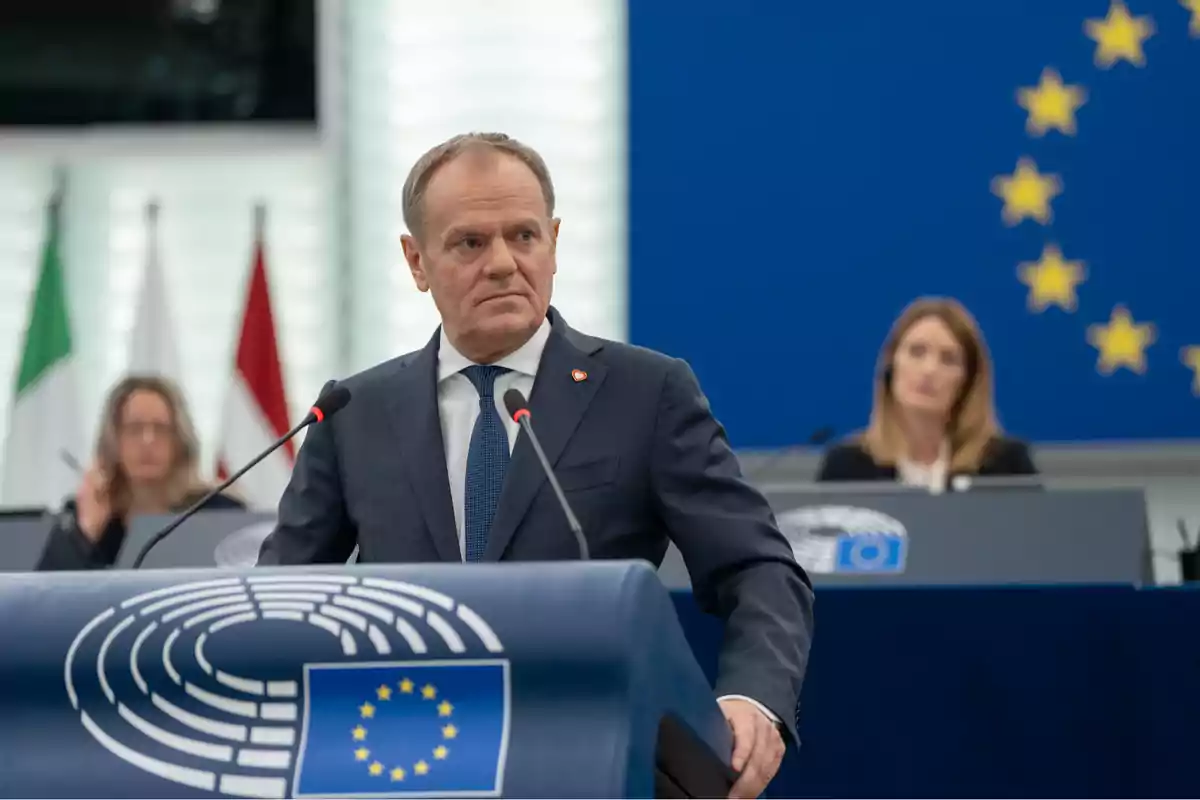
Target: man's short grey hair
436, 158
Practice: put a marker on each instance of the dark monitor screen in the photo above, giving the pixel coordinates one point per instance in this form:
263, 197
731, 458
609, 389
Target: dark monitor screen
83, 62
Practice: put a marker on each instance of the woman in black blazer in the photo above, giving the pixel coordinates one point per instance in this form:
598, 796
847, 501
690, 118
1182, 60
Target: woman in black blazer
933, 418
147, 460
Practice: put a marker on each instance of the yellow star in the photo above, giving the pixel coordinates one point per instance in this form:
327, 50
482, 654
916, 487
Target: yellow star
406, 686
428, 691
1194, 7
420, 768
362, 754
1122, 342
398, 774
367, 710
449, 732
1052, 280
440, 752
376, 769
1190, 356
445, 709
1026, 193
384, 693
1119, 36
1051, 104
359, 733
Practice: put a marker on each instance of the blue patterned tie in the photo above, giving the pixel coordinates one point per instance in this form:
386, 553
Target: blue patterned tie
487, 461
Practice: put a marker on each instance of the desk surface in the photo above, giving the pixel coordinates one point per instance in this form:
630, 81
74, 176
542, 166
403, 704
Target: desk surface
1002, 692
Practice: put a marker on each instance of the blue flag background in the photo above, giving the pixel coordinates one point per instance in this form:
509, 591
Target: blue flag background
425, 728
800, 171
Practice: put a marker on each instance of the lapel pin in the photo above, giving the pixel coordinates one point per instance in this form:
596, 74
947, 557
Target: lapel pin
579, 375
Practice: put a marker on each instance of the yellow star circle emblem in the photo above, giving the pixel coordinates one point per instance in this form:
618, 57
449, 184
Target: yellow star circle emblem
1122, 342
1052, 104
1052, 280
1119, 36
1026, 193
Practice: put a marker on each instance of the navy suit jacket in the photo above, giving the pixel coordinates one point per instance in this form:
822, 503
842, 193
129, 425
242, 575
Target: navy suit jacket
640, 458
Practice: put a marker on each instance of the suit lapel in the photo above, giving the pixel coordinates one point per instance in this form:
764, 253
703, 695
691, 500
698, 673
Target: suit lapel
556, 408
414, 412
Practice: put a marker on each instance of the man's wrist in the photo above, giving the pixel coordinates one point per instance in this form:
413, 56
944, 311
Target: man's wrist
766, 712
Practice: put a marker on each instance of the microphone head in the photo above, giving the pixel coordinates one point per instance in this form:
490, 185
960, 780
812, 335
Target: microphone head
516, 404
331, 402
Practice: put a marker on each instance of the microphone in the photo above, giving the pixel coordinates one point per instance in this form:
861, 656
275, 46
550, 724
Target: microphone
328, 404
518, 408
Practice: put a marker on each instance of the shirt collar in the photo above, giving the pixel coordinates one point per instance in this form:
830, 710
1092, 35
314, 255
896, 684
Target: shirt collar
524, 359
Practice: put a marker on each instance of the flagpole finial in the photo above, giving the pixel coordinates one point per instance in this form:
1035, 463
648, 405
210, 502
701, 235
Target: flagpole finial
152, 209
260, 218
58, 188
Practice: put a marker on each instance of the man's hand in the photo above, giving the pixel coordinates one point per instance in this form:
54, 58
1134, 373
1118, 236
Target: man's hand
757, 747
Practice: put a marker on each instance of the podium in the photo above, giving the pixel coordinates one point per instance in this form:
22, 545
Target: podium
492, 680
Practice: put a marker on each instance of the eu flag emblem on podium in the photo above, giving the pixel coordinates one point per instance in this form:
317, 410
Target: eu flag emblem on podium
424, 728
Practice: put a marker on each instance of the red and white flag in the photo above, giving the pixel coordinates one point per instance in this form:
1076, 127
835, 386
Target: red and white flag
256, 410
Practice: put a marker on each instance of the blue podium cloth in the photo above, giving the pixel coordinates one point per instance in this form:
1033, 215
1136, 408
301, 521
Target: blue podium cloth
1005, 692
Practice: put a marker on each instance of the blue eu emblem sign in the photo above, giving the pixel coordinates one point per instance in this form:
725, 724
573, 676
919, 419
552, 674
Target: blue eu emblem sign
870, 552
425, 728
841, 540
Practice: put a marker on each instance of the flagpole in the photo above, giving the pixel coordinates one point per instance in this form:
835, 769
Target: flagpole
152, 209
58, 193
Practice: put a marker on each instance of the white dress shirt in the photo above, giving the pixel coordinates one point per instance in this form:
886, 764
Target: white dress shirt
458, 408
926, 476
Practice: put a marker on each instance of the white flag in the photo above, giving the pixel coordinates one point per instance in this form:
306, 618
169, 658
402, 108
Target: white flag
153, 349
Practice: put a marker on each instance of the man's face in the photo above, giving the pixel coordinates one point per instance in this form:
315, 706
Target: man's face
486, 251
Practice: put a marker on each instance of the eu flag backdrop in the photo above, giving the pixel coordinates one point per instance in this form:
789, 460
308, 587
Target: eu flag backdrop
802, 170
425, 728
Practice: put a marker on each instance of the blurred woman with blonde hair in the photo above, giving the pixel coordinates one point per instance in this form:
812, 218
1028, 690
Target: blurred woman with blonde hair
146, 462
933, 417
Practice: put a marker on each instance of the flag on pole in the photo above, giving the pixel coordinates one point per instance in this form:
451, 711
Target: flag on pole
44, 421
153, 348
256, 409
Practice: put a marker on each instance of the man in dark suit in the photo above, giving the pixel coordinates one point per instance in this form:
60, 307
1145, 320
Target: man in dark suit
424, 465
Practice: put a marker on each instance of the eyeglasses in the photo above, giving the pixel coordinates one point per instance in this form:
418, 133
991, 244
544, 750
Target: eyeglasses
138, 429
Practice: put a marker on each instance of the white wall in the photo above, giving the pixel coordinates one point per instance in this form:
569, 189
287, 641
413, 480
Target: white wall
414, 73
207, 184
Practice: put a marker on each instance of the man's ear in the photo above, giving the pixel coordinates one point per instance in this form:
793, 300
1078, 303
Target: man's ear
412, 254
554, 223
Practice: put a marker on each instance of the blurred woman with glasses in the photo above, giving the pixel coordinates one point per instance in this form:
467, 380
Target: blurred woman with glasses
146, 462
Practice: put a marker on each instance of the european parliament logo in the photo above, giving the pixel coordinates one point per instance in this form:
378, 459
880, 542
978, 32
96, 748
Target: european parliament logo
364, 687
845, 540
